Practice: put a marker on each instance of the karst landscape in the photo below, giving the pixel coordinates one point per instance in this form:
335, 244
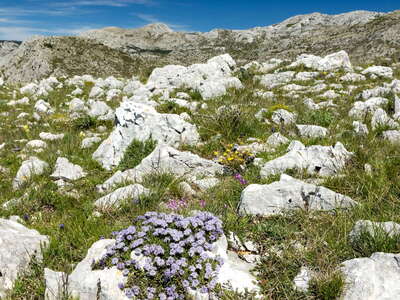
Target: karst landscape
150, 163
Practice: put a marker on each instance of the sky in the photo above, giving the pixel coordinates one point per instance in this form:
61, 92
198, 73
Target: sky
20, 19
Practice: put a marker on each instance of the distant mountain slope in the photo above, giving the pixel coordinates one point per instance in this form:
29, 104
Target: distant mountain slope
366, 36
57, 56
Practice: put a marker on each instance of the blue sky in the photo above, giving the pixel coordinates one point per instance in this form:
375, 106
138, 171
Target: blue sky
20, 19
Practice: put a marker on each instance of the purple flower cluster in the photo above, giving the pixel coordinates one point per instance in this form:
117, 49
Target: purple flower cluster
177, 204
240, 178
162, 255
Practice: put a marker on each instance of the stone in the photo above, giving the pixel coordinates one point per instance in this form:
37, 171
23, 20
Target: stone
18, 246
84, 283
186, 189
318, 160
30, 167
360, 128
276, 140
302, 279
361, 109
90, 142
234, 242
165, 159
352, 77
67, 171
206, 183
312, 131
264, 94
380, 71
36, 144
392, 229
304, 76
288, 194
381, 119
141, 122
44, 107
96, 92
23, 101
378, 91
392, 136
310, 104
132, 192
330, 95
374, 277
101, 111
77, 105
273, 80
282, 116
211, 79
56, 284
47, 136
331, 62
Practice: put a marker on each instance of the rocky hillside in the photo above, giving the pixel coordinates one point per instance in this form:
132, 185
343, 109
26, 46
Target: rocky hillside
364, 35
274, 180
367, 36
58, 56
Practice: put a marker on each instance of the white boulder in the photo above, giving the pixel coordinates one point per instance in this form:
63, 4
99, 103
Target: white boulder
32, 166
66, 170
142, 122
320, 160
287, 194
18, 245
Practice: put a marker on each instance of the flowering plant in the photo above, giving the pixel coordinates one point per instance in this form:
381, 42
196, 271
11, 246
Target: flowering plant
163, 256
234, 157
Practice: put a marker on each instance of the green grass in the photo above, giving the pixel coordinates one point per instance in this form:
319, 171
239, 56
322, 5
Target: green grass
318, 240
135, 152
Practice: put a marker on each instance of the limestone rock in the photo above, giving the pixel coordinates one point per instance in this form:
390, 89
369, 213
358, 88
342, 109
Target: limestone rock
18, 245
373, 228
89, 142
276, 139
273, 80
320, 160
101, 111
210, 79
287, 194
282, 116
302, 279
331, 62
380, 71
360, 128
381, 119
131, 192
361, 109
376, 277
32, 166
312, 131
392, 136
142, 122
47, 136
42, 106
165, 159
66, 170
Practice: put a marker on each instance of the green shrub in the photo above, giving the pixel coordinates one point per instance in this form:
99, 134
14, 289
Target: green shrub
135, 153
317, 117
366, 244
327, 287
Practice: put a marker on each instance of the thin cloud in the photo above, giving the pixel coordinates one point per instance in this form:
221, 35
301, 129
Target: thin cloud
153, 19
22, 33
20, 12
112, 3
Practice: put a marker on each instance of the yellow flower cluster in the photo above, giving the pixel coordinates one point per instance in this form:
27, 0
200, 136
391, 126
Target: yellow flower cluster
233, 157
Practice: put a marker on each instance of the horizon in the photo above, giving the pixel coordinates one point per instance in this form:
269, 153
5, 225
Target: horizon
21, 19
